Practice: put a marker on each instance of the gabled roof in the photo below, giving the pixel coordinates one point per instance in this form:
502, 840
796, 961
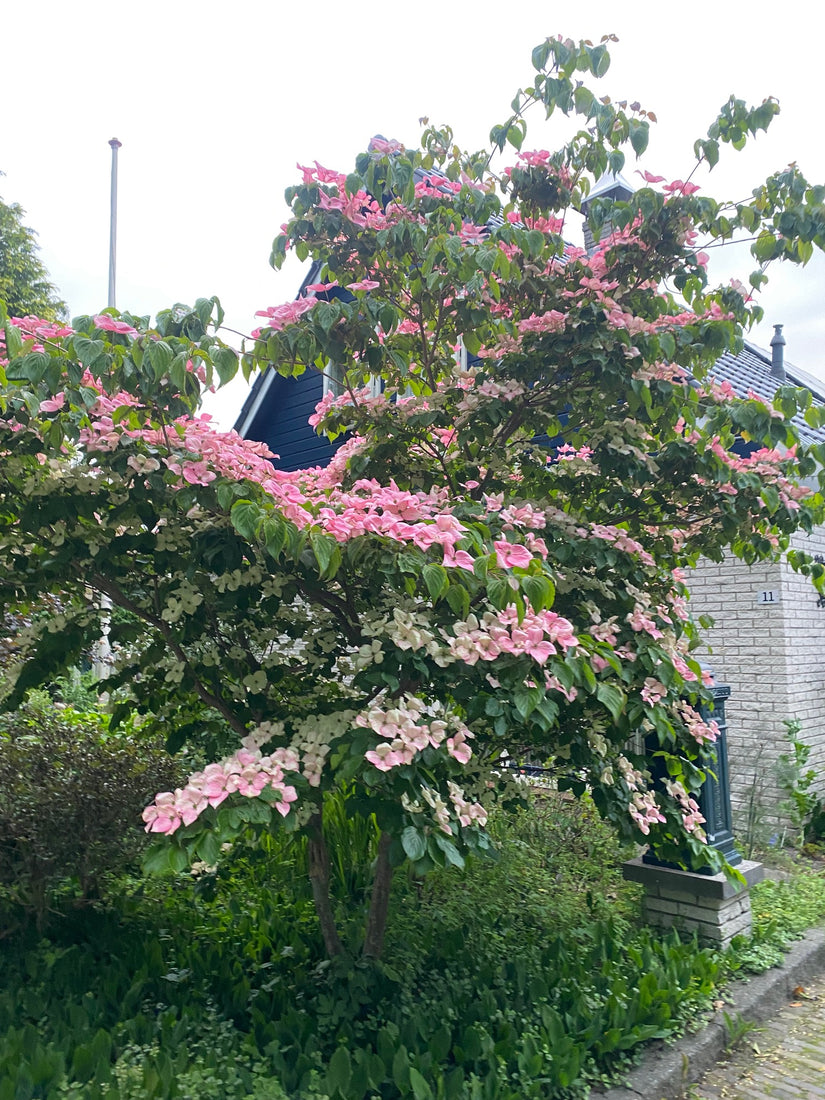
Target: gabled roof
749, 372
265, 380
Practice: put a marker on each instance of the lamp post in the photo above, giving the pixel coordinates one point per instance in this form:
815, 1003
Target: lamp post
103, 651
714, 794
715, 907
114, 144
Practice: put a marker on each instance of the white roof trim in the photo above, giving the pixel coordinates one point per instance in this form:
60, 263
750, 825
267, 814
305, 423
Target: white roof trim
266, 383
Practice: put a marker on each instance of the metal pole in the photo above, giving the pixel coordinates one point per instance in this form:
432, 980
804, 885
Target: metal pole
115, 145
103, 651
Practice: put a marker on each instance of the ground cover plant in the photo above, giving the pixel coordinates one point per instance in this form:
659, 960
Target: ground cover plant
784, 908
523, 977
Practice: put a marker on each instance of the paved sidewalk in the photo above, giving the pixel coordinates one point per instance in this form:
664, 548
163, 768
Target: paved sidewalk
782, 1059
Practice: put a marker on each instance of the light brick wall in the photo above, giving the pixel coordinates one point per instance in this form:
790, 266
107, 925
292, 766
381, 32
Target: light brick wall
773, 658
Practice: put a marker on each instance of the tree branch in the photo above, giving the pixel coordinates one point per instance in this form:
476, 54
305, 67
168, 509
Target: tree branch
319, 880
379, 900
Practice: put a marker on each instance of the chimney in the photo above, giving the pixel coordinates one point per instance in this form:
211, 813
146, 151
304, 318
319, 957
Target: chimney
611, 185
778, 355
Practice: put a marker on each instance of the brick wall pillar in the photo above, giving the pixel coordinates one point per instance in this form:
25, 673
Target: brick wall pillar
711, 905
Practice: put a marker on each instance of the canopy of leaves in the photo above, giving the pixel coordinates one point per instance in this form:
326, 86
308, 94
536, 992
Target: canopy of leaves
24, 281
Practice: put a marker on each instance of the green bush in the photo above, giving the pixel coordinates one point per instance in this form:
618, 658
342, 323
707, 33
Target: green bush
796, 780
71, 795
525, 977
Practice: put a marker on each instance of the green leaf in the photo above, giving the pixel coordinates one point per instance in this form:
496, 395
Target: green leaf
540, 55
178, 858
527, 699
156, 859
515, 136
583, 99
88, 351
499, 593
450, 851
246, 518
439, 1044
327, 553
160, 357
226, 363
421, 1090
401, 1070
273, 532
203, 308
599, 59
354, 183
208, 847
414, 843
339, 1071
540, 592
459, 600
225, 492
765, 247
535, 242
612, 697
14, 342
436, 579
34, 365
639, 135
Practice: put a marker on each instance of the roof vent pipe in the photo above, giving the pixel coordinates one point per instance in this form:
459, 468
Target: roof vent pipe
778, 354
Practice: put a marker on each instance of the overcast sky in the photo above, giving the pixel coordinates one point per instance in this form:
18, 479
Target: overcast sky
216, 102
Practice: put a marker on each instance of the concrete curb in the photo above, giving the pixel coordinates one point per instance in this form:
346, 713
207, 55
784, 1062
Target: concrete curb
666, 1070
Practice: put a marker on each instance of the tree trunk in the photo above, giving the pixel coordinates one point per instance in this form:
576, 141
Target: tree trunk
379, 901
319, 879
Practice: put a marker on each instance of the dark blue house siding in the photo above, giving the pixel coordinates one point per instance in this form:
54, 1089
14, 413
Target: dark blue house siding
280, 420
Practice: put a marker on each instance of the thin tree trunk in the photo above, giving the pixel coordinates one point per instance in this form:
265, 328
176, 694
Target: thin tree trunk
319, 879
379, 901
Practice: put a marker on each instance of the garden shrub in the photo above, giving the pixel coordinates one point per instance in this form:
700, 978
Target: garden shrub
71, 793
527, 976
503, 981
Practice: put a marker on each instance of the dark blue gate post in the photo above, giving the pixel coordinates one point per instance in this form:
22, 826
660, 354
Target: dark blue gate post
714, 796
709, 904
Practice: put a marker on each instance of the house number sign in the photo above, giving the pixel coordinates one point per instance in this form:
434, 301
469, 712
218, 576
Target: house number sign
770, 595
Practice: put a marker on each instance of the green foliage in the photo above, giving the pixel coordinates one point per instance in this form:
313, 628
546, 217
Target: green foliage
801, 801
789, 907
71, 794
737, 1027
524, 977
24, 281
521, 978
782, 912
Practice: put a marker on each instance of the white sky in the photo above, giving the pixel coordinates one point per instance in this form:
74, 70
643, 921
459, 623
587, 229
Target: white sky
216, 102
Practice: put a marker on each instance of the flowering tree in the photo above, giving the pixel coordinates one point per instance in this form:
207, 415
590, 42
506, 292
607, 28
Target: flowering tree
491, 565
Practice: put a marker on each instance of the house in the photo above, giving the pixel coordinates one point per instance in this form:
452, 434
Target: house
767, 641
278, 409
768, 638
